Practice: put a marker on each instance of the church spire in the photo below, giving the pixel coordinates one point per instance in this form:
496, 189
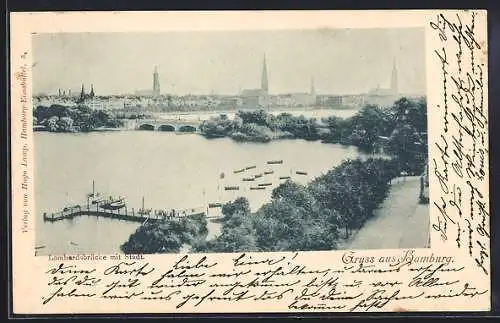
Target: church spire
264, 86
394, 79
156, 82
91, 90
82, 94
313, 89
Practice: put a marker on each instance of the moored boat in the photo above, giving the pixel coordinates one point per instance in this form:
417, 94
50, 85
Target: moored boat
257, 175
250, 179
97, 200
239, 171
299, 172
212, 205
71, 208
250, 167
284, 177
232, 188
258, 188
265, 184
114, 204
272, 162
268, 172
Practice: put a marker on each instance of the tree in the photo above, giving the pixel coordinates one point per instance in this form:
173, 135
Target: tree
259, 117
238, 233
153, 238
167, 236
353, 190
294, 193
405, 144
237, 239
65, 124
52, 123
336, 128
370, 123
219, 126
412, 112
239, 206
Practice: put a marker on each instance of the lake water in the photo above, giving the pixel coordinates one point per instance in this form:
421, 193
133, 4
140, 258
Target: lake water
169, 170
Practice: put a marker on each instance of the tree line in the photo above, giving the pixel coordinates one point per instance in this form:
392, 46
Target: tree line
59, 118
167, 236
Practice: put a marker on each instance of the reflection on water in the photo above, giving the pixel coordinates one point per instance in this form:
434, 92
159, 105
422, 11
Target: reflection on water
169, 170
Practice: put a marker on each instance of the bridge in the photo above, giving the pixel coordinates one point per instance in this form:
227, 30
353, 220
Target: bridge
167, 124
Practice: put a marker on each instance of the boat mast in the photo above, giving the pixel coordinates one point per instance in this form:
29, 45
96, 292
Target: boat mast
143, 203
93, 188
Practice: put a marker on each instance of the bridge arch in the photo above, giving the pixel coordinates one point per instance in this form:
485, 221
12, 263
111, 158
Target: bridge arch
147, 126
187, 128
166, 127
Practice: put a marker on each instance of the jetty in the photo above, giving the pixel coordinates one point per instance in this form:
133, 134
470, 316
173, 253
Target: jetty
95, 205
120, 214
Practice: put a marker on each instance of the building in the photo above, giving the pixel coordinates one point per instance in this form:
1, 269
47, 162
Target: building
385, 96
303, 99
143, 93
254, 98
156, 83
84, 97
353, 101
151, 92
331, 101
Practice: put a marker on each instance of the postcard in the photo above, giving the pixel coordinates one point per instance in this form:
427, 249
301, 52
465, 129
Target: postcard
249, 162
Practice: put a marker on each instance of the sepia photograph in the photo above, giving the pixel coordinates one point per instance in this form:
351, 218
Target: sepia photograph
230, 141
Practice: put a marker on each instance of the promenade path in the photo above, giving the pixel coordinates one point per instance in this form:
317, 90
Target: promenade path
401, 222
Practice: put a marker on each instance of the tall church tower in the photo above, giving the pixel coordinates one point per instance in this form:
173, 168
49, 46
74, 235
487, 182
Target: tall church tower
156, 82
82, 94
312, 95
264, 86
394, 79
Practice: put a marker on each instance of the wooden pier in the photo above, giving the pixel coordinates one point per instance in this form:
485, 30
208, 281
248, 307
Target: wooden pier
120, 214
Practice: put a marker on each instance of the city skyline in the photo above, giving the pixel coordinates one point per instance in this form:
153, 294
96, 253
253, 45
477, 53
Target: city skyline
341, 61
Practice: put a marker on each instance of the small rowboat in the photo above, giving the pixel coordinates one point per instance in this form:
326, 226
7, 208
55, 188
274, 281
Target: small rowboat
300, 172
232, 188
272, 162
258, 188
265, 184
285, 177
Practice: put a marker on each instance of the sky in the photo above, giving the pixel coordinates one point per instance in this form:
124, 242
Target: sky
341, 61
